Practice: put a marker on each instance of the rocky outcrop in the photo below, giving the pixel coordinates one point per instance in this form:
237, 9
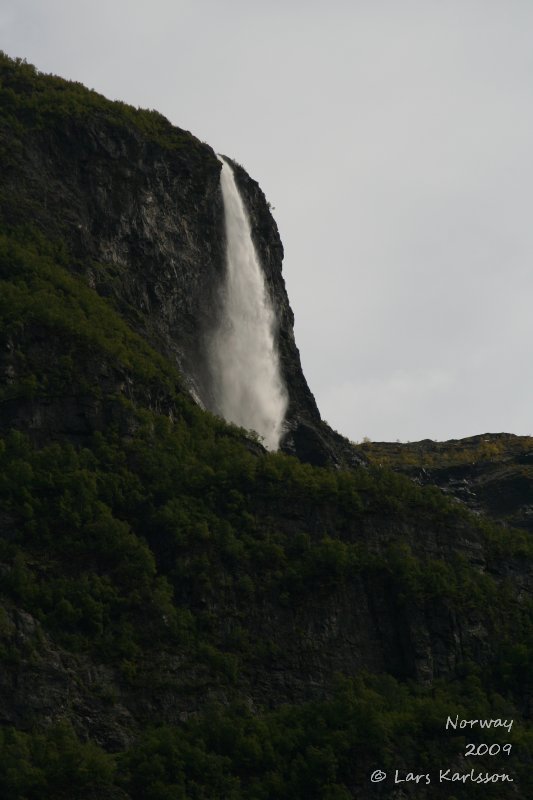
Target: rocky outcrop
143, 223
157, 567
295, 644
307, 436
140, 221
491, 473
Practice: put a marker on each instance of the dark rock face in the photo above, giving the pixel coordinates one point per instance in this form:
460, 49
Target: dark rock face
307, 436
366, 624
141, 221
144, 225
73, 412
270, 249
501, 491
491, 473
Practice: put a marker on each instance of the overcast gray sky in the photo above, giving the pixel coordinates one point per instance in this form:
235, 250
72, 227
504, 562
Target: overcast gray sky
394, 139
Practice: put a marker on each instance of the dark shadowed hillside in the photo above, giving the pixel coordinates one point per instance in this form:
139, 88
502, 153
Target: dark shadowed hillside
491, 474
185, 615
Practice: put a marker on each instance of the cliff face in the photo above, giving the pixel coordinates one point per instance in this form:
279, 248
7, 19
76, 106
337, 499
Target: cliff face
154, 561
491, 474
307, 436
142, 220
142, 223
414, 596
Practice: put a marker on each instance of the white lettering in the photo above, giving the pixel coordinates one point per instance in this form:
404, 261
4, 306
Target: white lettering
473, 777
483, 723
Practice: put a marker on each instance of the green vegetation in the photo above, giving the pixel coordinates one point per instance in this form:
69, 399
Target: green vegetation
321, 749
37, 291
152, 545
118, 546
474, 450
29, 99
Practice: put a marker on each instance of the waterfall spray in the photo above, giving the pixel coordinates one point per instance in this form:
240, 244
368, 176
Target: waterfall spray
244, 361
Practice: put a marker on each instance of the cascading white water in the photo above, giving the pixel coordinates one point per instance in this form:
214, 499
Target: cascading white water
244, 361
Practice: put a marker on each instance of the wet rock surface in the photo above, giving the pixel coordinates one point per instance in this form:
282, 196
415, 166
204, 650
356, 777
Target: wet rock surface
143, 224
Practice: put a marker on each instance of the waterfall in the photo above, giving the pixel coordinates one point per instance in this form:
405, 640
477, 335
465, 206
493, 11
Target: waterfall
244, 362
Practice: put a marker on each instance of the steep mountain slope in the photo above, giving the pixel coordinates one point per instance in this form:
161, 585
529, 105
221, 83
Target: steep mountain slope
137, 205
491, 474
185, 615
